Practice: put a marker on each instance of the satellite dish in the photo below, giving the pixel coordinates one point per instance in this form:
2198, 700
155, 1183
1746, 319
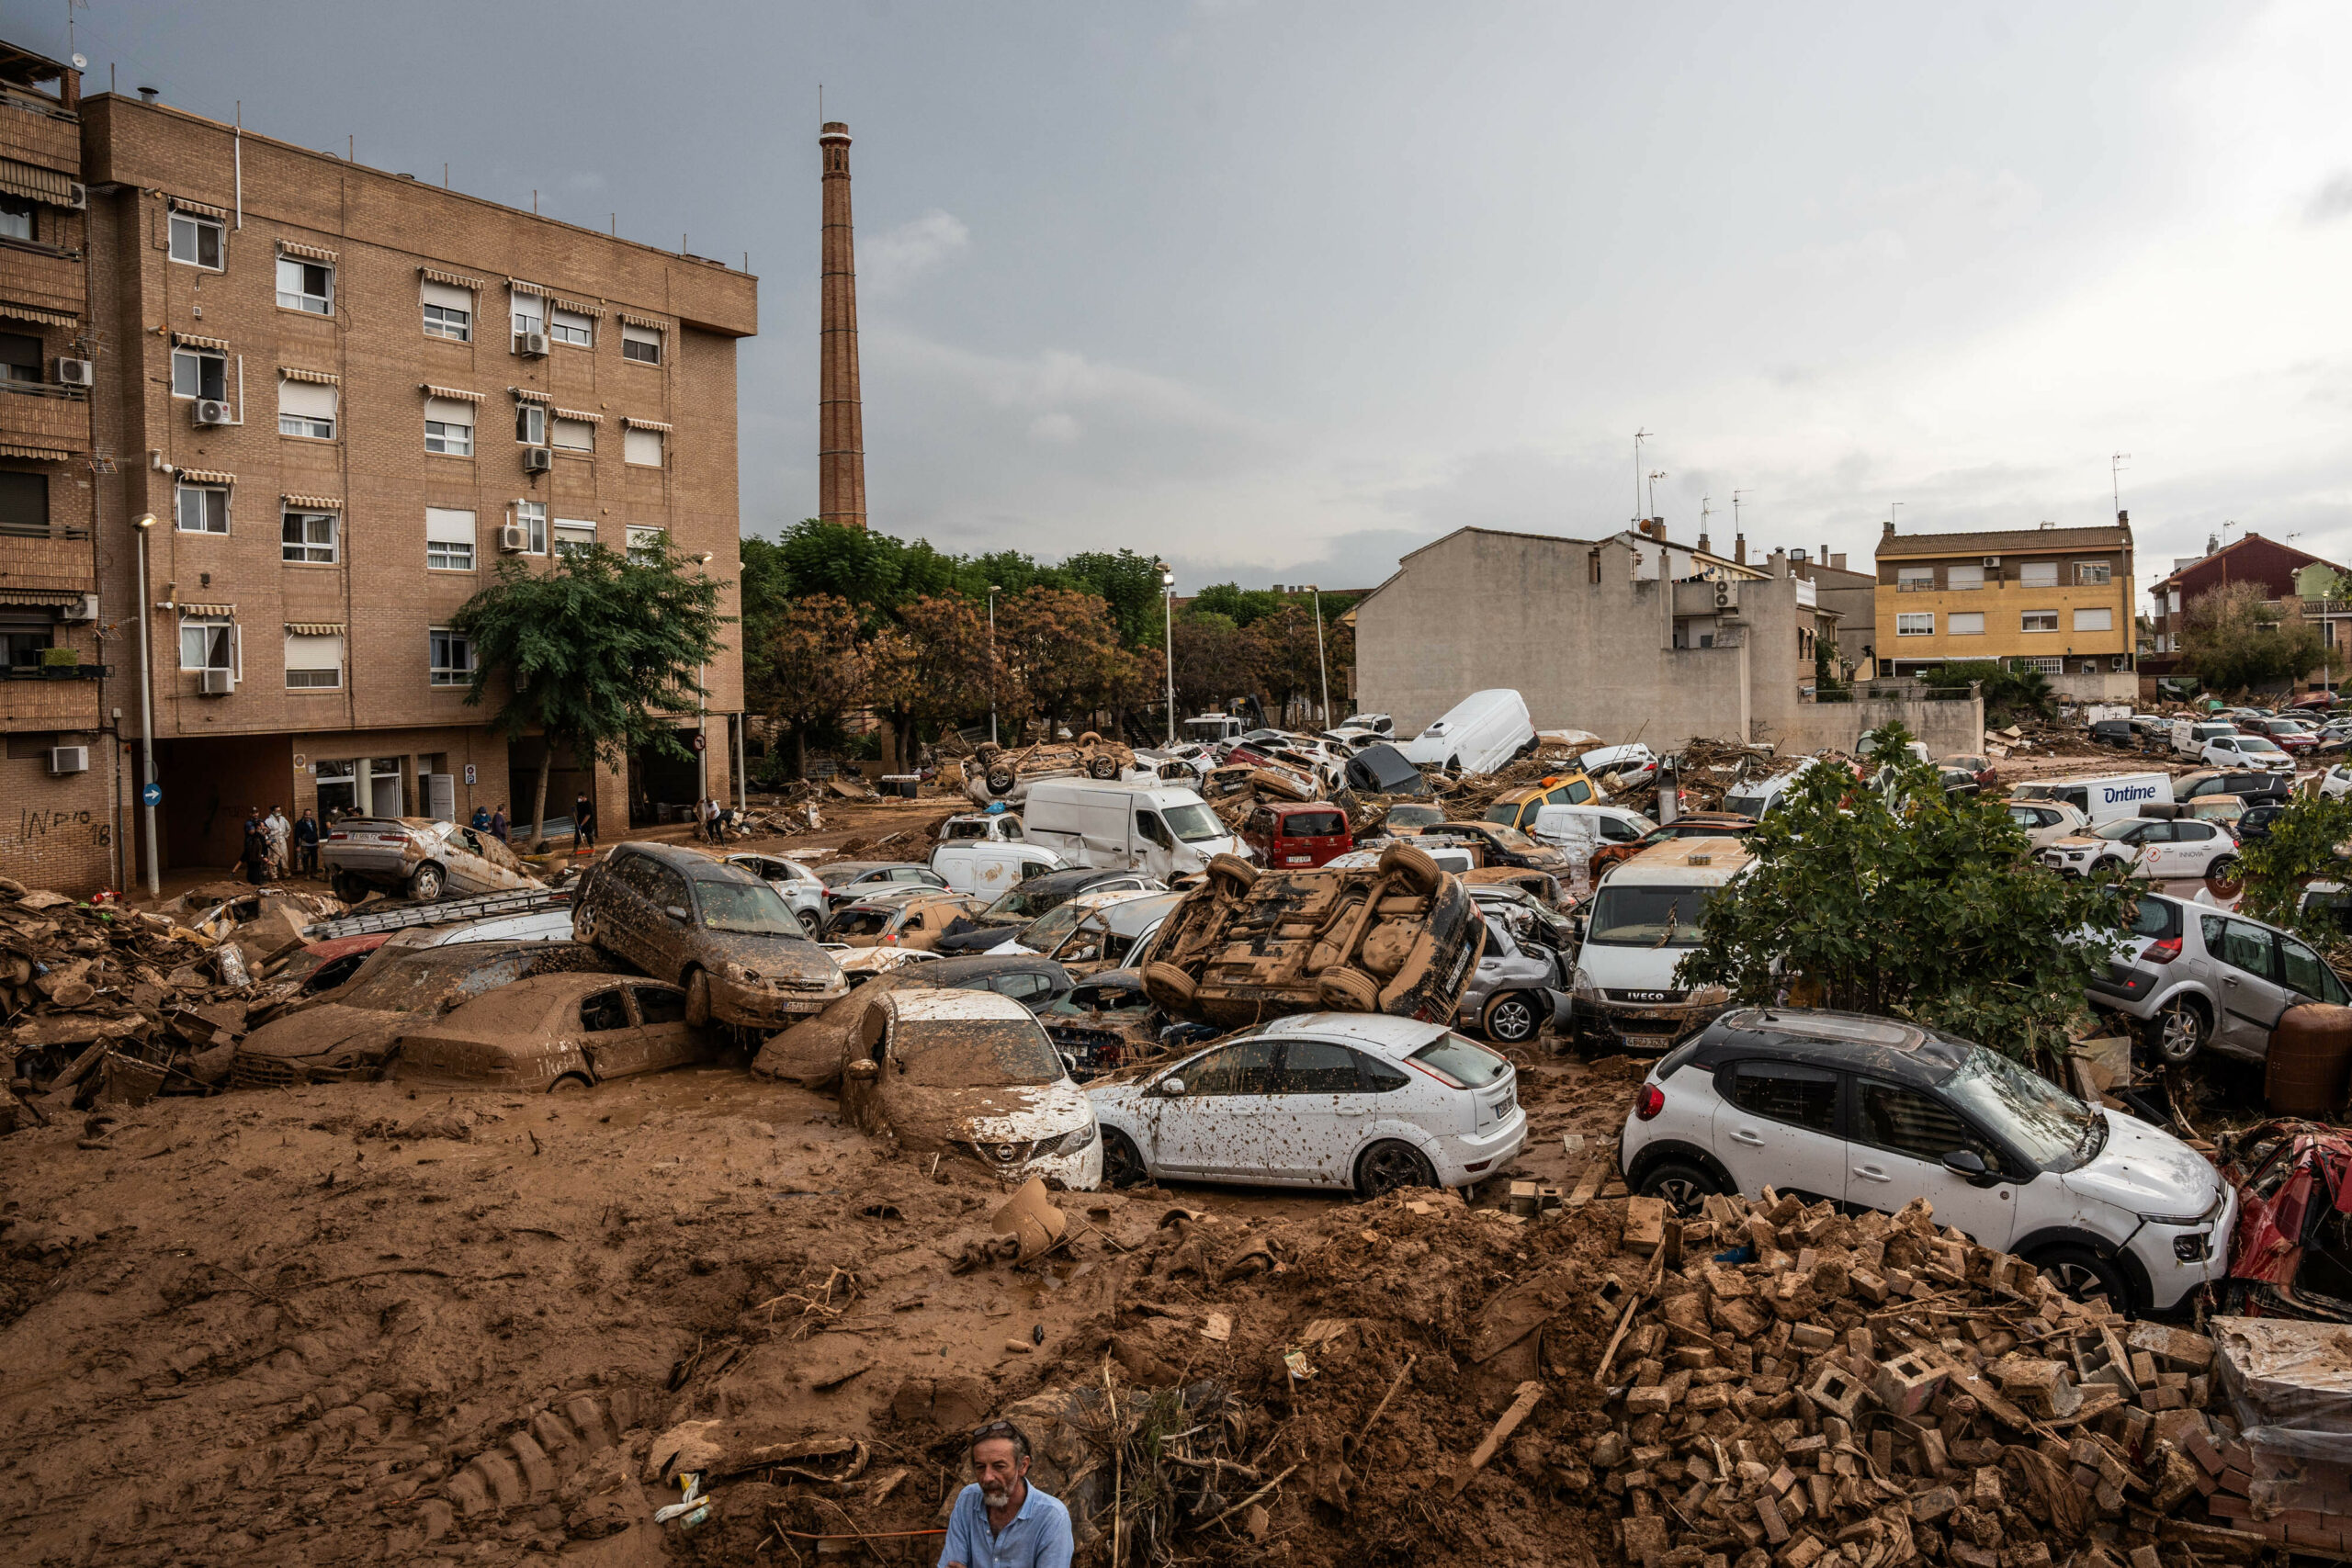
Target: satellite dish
81, 63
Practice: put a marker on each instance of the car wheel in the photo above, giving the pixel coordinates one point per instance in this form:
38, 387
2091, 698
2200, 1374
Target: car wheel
999, 781
1231, 875
1090, 738
1417, 869
1389, 1165
570, 1083
425, 885
1103, 767
1348, 990
698, 998
583, 924
1170, 986
2224, 869
1683, 1186
2084, 1276
1511, 1019
349, 888
811, 923
1123, 1164
986, 752
2178, 1032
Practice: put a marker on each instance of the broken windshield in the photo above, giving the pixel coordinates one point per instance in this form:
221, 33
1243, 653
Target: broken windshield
751, 908
1648, 917
1194, 823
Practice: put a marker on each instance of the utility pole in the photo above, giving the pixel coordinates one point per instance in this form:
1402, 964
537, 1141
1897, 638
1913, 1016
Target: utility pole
2115, 478
1320, 663
1639, 436
993, 591
1167, 602
148, 788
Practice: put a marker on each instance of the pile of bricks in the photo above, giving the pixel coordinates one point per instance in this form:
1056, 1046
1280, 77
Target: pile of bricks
1787, 1387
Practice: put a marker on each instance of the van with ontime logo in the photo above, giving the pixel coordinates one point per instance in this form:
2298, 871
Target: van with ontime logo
2101, 798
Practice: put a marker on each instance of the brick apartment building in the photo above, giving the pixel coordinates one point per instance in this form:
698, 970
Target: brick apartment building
2301, 583
2056, 600
345, 394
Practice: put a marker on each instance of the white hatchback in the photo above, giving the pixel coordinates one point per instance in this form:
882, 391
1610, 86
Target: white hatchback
2147, 847
1319, 1100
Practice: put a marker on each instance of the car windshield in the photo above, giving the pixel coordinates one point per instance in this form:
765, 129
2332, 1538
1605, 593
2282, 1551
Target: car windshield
1052, 926
1414, 816
1746, 805
977, 1053
412, 985
1648, 917
2123, 828
1468, 1063
1027, 902
1509, 838
2255, 743
2044, 1123
1192, 823
751, 908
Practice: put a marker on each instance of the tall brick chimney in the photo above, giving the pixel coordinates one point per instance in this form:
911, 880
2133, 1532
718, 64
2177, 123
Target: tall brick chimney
840, 426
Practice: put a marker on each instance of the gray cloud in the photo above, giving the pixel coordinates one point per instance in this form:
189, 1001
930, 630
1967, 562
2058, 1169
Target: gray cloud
2331, 201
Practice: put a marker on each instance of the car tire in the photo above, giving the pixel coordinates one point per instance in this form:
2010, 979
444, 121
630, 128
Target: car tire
1348, 990
425, 885
1170, 986
1123, 1163
2178, 1032
349, 889
1090, 738
808, 922
1389, 1165
583, 924
1683, 1186
1417, 869
698, 998
572, 1083
1103, 767
2224, 868
1000, 781
1231, 875
2084, 1275
1512, 1019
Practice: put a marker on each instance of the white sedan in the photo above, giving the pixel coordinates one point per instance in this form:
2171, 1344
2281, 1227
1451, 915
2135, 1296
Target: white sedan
1358, 1100
2147, 847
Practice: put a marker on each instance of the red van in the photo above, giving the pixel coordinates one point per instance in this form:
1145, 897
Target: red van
1286, 837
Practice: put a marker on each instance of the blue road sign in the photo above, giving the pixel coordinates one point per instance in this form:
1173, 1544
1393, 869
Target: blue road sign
152, 795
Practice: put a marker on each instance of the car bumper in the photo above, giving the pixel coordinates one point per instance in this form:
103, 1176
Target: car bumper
756, 1007
365, 861
2127, 988
1461, 1159
1081, 1169
1612, 1026
2171, 1276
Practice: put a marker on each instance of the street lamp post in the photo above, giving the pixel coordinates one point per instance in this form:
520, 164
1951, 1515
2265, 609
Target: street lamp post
702, 714
1168, 623
1320, 663
142, 523
993, 591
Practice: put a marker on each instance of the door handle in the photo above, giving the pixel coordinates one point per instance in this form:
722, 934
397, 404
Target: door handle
1750, 1136
1872, 1173
2229, 979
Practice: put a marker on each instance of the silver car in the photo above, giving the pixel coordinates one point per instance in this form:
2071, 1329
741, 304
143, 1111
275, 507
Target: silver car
1519, 985
798, 886
2196, 976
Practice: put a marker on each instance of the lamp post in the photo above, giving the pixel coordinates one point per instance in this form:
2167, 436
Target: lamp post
702, 712
140, 524
993, 591
1168, 623
1319, 662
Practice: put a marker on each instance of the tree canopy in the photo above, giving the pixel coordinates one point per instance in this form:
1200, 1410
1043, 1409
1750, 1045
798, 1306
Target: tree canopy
2234, 639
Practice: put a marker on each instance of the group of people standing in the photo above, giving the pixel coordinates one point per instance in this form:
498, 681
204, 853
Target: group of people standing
275, 846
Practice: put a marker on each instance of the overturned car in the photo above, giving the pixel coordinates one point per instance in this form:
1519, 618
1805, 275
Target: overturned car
998, 773
1398, 937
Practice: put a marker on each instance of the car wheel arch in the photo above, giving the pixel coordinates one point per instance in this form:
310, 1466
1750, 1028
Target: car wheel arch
2051, 1238
1656, 1154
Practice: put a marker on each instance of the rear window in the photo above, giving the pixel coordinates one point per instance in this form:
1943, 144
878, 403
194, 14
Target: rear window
1313, 825
2153, 918
1465, 1062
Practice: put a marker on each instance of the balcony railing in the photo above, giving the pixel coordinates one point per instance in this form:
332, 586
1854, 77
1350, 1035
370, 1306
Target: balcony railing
59, 671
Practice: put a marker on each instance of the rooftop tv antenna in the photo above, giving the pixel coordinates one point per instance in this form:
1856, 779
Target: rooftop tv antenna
2115, 478
1737, 497
1639, 436
1654, 478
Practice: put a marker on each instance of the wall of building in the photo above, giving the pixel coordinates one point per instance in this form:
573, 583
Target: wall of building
1947, 730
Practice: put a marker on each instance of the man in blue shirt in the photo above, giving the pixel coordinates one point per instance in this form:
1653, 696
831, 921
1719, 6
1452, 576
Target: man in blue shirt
1001, 1521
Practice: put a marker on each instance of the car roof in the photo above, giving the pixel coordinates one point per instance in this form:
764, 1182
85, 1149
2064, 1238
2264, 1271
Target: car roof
1091, 901
1680, 863
978, 965
1379, 1032
1851, 1042
519, 1006
1073, 878
952, 1005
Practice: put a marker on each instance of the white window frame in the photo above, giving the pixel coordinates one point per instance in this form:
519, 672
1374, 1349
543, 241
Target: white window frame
533, 518
446, 437
299, 298
199, 358
642, 538
181, 495
571, 327
1915, 579
191, 226
2093, 573
2037, 574
575, 527
634, 440
2093, 610
1955, 624
452, 554
530, 423
443, 320
635, 339
447, 674
341, 653
2047, 664
307, 550
529, 313
559, 426
232, 645
2026, 619
1915, 622
305, 426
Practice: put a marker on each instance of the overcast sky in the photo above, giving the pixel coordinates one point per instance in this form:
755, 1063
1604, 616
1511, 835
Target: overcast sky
1282, 290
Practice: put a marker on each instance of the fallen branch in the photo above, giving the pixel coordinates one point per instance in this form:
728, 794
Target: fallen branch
1530, 1393
1258, 1495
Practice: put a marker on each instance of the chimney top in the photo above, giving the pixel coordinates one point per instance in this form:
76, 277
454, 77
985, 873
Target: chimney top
1704, 547
1838, 561
150, 94
835, 130
1740, 549
1888, 526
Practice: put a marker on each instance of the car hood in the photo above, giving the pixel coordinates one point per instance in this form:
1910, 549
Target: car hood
2145, 1170
2080, 842
934, 1118
328, 1031
783, 958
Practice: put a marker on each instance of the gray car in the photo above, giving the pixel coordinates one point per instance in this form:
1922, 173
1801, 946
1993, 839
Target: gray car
2195, 977
1520, 984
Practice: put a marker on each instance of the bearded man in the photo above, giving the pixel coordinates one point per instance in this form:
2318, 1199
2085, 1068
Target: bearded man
1000, 1520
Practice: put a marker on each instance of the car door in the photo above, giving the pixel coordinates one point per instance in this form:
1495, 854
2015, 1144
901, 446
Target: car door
610, 1037
2196, 845
671, 939
1217, 1127
1322, 1108
1897, 1140
665, 1039
1779, 1126
2252, 993
2306, 975
2153, 844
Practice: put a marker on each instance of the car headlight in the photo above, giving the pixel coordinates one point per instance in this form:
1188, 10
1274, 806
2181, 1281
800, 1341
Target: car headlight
737, 973
2172, 1219
1582, 984
1069, 1142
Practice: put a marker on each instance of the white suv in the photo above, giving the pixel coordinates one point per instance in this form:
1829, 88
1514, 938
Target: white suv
2149, 848
1874, 1112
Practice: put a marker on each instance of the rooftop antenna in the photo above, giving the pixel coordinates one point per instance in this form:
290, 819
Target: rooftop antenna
1737, 497
1891, 507
1705, 512
2115, 478
1654, 478
1639, 436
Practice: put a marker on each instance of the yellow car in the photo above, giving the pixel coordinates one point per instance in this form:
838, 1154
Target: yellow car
1516, 808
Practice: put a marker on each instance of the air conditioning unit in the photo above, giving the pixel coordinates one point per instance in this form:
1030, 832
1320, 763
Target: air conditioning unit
533, 345
85, 608
75, 372
538, 459
63, 760
512, 538
212, 411
215, 682
2119, 663
1722, 595
78, 197
1991, 561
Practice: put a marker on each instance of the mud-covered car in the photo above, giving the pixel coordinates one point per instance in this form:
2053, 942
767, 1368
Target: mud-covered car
916, 920
1014, 907
812, 1051
417, 856
972, 1072
720, 933
554, 1033
997, 772
1104, 1024
1398, 937
1500, 846
2290, 1255
352, 1031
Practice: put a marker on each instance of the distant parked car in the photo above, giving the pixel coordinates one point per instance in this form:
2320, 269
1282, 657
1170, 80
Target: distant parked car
1498, 845
2147, 847
1287, 835
417, 856
1978, 767
1015, 907
916, 920
2247, 784
2292, 735
2117, 732
2047, 821
1381, 769
856, 879
2244, 750
801, 888
555, 1032
2195, 977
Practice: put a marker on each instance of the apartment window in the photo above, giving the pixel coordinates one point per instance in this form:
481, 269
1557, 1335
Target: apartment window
16, 218
532, 517
1915, 579
24, 505
24, 638
203, 509
640, 344
571, 327
449, 539
308, 537
313, 663
208, 643
453, 657
2172, 602
1963, 577
2093, 573
450, 427
306, 409
642, 448
530, 314
2037, 574
2100, 620
196, 241
2047, 666
197, 373
573, 435
531, 424
2038, 621
1914, 625
20, 356
306, 286
1969, 623
448, 312
338, 789
574, 536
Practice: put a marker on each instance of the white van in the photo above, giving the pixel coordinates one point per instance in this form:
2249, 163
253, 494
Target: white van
1479, 734
1642, 921
1579, 831
1756, 796
2189, 735
2101, 798
988, 866
1163, 829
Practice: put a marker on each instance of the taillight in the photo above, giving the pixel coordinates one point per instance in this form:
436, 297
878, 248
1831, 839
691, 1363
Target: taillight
2163, 952
1652, 1101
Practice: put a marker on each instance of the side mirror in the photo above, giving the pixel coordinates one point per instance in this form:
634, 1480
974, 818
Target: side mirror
862, 1069
678, 913
1169, 1087
1970, 1165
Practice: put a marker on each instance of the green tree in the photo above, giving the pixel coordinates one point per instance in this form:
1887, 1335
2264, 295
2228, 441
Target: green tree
1129, 583
2234, 639
1061, 646
931, 669
599, 652
2306, 841
810, 671
1903, 901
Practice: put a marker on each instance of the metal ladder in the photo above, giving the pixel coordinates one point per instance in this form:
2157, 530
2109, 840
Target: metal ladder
402, 916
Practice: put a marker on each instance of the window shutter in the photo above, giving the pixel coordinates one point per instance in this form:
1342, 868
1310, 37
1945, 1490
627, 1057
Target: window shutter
448, 410
445, 294
442, 527
306, 399
642, 448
